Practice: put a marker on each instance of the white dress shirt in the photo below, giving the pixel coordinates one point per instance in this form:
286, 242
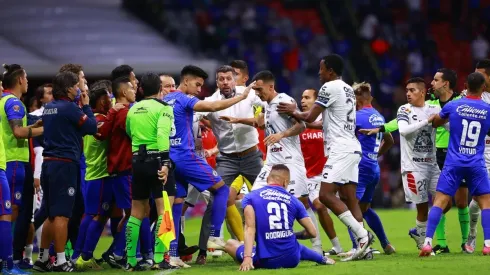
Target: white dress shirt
235, 138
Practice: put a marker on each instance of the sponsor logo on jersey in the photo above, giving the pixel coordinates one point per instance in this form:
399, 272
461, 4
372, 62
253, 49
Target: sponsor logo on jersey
312, 135
422, 159
376, 120
171, 102
471, 112
423, 142
274, 195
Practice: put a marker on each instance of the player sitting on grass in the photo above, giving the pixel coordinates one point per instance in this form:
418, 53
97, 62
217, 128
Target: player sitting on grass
269, 217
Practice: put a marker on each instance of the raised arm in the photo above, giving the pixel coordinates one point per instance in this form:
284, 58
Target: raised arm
218, 105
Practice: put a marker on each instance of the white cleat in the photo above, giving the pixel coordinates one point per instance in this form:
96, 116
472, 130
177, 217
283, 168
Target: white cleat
178, 263
347, 253
216, 243
469, 246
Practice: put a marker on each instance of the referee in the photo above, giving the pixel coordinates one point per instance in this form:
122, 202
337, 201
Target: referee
148, 124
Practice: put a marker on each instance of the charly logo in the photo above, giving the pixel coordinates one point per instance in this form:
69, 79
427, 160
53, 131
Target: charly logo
423, 143
105, 206
8, 204
469, 111
18, 195
71, 191
376, 120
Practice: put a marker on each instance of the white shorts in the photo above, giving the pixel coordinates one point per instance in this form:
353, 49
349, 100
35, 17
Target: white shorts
417, 185
297, 186
341, 168
314, 184
487, 160
193, 196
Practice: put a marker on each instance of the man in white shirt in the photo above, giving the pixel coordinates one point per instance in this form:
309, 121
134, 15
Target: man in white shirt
337, 103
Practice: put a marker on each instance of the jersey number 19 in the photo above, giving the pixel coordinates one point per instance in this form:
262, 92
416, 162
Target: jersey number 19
278, 216
470, 134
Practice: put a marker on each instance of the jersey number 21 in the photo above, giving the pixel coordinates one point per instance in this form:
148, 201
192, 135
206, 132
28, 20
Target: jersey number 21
278, 216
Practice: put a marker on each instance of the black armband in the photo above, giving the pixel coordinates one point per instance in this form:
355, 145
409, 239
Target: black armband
301, 235
382, 129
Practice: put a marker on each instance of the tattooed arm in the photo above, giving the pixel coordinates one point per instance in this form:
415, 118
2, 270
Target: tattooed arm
21, 132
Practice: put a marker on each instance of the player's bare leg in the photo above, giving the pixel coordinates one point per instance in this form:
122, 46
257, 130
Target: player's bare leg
474, 215
327, 225
231, 247
484, 203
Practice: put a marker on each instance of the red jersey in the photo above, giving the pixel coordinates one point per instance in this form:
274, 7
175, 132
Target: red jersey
209, 142
312, 148
120, 156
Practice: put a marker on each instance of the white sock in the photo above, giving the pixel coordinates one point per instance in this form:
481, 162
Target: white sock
60, 259
474, 215
28, 251
336, 244
421, 228
487, 243
222, 232
317, 241
44, 254
428, 241
39, 233
362, 224
182, 224
353, 224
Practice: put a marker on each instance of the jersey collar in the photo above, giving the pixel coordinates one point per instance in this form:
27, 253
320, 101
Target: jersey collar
473, 97
368, 106
6, 93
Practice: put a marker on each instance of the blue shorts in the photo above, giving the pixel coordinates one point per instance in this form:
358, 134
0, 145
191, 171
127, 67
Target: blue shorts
368, 179
475, 177
288, 260
98, 197
83, 187
193, 170
121, 189
5, 203
16, 175
61, 179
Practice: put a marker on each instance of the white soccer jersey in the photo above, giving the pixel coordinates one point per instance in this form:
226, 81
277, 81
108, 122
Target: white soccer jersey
196, 131
486, 97
339, 117
287, 150
418, 149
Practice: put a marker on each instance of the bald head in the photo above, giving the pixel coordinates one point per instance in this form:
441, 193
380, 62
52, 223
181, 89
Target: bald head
279, 175
168, 83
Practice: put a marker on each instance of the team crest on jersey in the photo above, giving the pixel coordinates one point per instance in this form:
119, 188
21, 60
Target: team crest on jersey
71, 191
8, 204
18, 195
190, 96
16, 108
405, 109
215, 173
423, 142
171, 102
105, 206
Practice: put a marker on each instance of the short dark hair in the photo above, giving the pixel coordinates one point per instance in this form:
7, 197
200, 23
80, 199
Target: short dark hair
417, 80
193, 71
74, 68
117, 83
450, 76
240, 64
104, 83
315, 91
280, 167
150, 83
63, 81
225, 69
11, 75
96, 95
334, 62
121, 71
31, 102
475, 82
484, 64
266, 76
39, 94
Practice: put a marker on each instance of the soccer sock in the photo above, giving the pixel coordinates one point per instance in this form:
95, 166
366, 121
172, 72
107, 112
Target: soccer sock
336, 244
120, 243
219, 210
60, 259
235, 221
145, 236
93, 235
422, 228
441, 232
352, 239
474, 216
159, 247
317, 241
132, 238
464, 223
353, 224
485, 222
435, 215
176, 212
6, 244
374, 222
307, 254
82, 234
28, 251
43, 254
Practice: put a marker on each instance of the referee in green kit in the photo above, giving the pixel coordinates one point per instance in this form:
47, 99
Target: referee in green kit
148, 124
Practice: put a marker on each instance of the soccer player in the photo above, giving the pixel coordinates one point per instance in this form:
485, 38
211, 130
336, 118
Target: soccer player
98, 191
311, 144
65, 125
190, 168
337, 101
270, 212
469, 123
168, 84
372, 148
16, 132
483, 67
148, 124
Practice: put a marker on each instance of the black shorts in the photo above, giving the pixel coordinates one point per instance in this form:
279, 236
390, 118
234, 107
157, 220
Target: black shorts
441, 158
61, 180
146, 182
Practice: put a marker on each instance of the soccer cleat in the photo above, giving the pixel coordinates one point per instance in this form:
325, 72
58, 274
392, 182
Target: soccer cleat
188, 250
130, 268
14, 271
486, 250
164, 265
146, 263
201, 260
177, 262
216, 243
470, 245
42, 266
332, 252
389, 249
374, 250
426, 251
87, 265
327, 261
186, 259
217, 253
416, 237
65, 267
347, 253
440, 250
113, 262
26, 263
364, 244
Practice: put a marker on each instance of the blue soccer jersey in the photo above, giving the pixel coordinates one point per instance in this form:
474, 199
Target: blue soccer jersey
181, 137
469, 124
368, 118
275, 213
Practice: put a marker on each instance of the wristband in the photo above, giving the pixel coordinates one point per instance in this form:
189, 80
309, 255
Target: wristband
382, 129
300, 235
247, 256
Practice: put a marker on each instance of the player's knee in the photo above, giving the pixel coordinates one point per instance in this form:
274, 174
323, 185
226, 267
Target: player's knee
319, 205
484, 201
